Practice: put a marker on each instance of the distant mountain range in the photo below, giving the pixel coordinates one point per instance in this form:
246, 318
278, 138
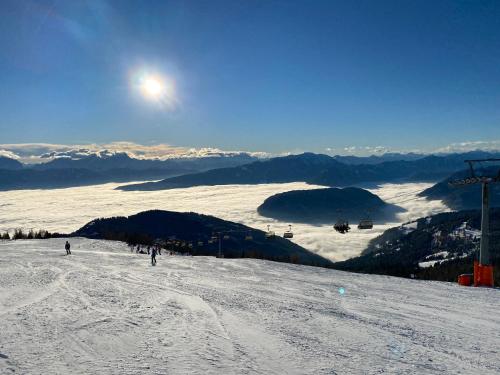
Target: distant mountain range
183, 229
319, 169
123, 161
327, 206
438, 247
231, 169
68, 177
10, 164
464, 197
94, 169
377, 159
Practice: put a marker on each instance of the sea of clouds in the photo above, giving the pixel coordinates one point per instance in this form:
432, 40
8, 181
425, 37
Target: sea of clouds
65, 210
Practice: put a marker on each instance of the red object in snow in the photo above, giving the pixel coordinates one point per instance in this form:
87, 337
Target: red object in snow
465, 279
483, 275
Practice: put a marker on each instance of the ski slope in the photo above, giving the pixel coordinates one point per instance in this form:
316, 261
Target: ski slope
104, 310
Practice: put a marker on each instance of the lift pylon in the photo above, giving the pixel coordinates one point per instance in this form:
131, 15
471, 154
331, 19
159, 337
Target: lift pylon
483, 269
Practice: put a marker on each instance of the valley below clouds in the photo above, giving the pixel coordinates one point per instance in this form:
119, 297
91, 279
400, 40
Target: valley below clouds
65, 210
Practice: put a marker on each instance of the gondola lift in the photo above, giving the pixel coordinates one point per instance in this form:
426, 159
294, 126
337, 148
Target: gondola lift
365, 224
269, 233
342, 226
288, 233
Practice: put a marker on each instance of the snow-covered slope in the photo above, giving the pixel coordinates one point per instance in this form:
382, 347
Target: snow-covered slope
104, 310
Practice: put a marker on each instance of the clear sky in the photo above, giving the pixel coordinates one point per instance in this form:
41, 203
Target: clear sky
251, 75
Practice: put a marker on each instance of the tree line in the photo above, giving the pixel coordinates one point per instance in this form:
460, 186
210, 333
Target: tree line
20, 234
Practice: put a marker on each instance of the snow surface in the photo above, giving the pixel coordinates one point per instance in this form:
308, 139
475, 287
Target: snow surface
429, 263
66, 210
407, 228
104, 310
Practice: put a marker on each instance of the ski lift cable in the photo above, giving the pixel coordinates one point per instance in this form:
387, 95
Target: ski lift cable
405, 200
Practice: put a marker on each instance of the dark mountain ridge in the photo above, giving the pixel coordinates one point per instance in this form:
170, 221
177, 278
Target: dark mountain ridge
192, 228
327, 205
439, 247
317, 169
377, 159
124, 161
96, 169
464, 197
70, 177
10, 164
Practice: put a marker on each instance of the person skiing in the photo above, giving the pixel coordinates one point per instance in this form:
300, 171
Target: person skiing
67, 246
153, 256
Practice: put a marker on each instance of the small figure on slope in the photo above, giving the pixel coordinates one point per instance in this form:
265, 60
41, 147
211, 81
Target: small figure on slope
153, 256
67, 246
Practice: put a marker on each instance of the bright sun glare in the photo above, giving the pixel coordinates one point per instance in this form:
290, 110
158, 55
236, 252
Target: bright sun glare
152, 88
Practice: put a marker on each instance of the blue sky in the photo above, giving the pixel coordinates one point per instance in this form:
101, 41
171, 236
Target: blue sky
270, 76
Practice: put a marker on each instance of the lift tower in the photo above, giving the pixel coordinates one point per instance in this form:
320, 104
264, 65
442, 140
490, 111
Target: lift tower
483, 270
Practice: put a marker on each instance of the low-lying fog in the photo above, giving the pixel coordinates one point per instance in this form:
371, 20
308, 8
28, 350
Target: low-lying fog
65, 210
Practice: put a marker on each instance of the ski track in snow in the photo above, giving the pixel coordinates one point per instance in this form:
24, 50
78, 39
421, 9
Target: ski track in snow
66, 210
104, 310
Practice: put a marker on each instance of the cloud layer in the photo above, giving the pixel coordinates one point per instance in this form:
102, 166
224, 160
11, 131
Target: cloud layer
66, 210
493, 145
490, 145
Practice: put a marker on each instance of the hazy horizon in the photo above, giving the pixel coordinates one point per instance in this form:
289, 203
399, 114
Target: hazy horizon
42, 152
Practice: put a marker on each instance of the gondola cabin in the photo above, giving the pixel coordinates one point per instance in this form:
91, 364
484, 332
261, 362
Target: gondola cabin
342, 226
365, 224
269, 233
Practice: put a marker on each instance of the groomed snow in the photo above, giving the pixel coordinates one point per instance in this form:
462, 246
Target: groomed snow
104, 310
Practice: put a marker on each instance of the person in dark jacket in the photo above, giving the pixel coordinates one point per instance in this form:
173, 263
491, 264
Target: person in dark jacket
153, 256
67, 246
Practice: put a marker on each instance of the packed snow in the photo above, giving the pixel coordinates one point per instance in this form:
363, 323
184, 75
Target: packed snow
105, 310
407, 228
430, 263
439, 254
65, 210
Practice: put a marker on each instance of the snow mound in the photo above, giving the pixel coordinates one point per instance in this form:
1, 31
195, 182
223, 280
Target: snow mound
104, 310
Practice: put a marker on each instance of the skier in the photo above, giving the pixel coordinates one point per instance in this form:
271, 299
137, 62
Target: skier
67, 246
153, 256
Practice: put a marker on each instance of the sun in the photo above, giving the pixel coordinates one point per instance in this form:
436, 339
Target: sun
152, 88
155, 87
